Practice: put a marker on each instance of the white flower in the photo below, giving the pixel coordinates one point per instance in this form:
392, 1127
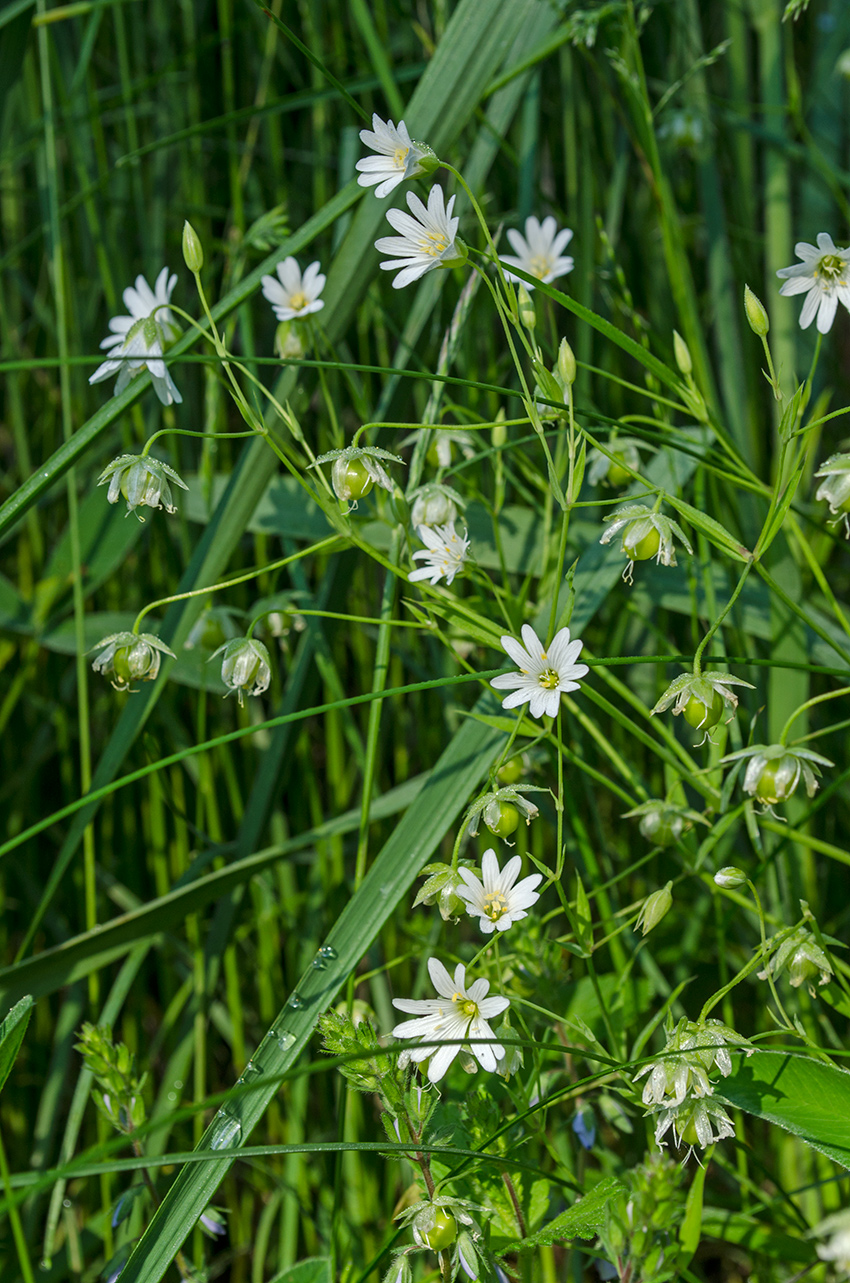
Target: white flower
443, 1023
139, 340
835, 489
445, 554
427, 238
142, 480
539, 252
245, 667
837, 1249
543, 675
497, 902
398, 156
823, 276
294, 295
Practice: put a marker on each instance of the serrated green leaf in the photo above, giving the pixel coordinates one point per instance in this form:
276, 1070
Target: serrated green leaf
583, 1220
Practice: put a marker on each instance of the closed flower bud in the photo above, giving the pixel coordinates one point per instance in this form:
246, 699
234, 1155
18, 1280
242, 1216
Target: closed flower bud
756, 313
498, 432
245, 667
434, 505
682, 355
566, 363
289, 342
730, 877
655, 907
527, 314
193, 250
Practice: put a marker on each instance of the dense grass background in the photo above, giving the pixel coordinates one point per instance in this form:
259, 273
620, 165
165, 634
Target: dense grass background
681, 182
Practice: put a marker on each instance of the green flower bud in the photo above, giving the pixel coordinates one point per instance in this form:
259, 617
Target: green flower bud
682, 355
730, 877
193, 250
527, 314
566, 363
756, 313
655, 907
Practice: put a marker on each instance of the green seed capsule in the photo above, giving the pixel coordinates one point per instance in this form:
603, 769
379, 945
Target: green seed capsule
617, 474
511, 771
433, 455
644, 548
700, 717
357, 479
507, 820
443, 1233
121, 663
771, 789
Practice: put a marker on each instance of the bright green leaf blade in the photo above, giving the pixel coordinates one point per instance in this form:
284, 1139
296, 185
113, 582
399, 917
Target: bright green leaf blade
458, 771
12, 1033
807, 1097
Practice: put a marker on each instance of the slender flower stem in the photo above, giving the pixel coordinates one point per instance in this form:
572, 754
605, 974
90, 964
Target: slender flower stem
720, 618
810, 703
238, 579
185, 432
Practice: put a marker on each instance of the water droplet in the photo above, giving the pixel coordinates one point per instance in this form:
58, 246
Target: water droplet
296, 1002
250, 1074
226, 1131
319, 962
383, 891
178, 1083
285, 1039
172, 1095
45, 1264
66, 1202
328, 952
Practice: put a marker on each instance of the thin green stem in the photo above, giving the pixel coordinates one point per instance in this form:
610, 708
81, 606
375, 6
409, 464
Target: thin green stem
810, 703
237, 579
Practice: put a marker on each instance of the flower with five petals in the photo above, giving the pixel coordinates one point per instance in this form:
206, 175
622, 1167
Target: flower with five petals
443, 1023
545, 674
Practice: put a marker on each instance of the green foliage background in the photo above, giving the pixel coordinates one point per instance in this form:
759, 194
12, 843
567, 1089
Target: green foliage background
689, 145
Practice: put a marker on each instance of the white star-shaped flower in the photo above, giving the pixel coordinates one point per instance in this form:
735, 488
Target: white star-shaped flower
823, 276
398, 156
544, 675
427, 238
294, 295
499, 901
138, 341
445, 553
540, 251
443, 1023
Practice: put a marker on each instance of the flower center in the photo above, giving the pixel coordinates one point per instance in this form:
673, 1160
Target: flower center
434, 244
833, 268
298, 301
549, 679
400, 157
539, 266
466, 1006
495, 905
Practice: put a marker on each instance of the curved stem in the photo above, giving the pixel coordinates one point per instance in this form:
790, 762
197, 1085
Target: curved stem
720, 618
810, 703
238, 579
185, 432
